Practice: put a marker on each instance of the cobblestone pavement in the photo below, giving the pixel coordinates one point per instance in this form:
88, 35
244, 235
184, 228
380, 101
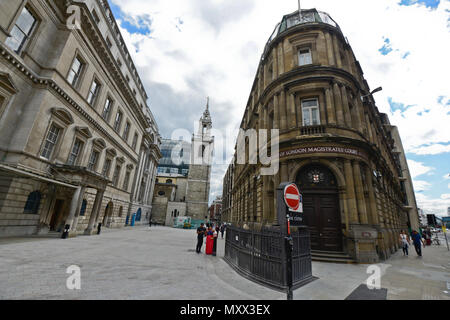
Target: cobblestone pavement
138, 263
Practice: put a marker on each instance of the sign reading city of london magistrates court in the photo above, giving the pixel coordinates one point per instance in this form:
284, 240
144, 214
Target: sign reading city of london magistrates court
322, 149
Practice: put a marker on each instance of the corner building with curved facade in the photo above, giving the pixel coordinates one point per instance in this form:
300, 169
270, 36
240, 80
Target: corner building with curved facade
342, 152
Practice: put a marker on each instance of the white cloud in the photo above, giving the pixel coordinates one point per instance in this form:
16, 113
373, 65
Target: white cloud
431, 149
432, 205
420, 185
213, 48
445, 196
418, 168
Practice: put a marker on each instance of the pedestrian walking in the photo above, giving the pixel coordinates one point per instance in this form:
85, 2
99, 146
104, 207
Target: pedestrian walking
200, 235
418, 242
404, 242
222, 229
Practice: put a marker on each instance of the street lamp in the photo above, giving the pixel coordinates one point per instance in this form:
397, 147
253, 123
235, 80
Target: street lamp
374, 91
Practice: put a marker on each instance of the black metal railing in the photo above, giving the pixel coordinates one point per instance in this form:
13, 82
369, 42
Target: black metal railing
259, 255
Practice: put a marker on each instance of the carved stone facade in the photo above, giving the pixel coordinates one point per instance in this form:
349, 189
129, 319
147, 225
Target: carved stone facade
76, 134
334, 143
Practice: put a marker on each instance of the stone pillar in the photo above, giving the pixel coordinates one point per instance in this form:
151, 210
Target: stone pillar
291, 112
281, 59
357, 112
359, 193
338, 104
336, 52
284, 172
329, 49
345, 210
350, 190
77, 213
277, 112
275, 62
95, 211
372, 200
331, 112
76, 198
346, 108
282, 105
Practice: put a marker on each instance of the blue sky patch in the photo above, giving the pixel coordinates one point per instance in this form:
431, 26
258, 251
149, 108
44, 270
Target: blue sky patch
406, 54
140, 26
386, 47
428, 3
397, 105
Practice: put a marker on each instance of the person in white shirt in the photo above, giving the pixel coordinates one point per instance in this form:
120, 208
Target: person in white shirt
404, 242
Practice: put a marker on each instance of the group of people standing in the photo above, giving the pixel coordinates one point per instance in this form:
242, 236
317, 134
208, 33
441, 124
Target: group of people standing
209, 230
417, 240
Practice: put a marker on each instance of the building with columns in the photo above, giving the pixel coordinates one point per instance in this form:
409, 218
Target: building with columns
78, 142
344, 155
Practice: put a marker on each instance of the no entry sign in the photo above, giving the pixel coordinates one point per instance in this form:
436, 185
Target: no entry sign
292, 198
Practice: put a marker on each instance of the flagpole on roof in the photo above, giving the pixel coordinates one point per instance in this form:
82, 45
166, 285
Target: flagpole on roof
299, 10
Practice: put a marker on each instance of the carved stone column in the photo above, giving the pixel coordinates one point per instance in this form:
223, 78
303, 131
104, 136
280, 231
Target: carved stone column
350, 190
346, 108
331, 112
338, 105
291, 112
360, 193
282, 106
95, 211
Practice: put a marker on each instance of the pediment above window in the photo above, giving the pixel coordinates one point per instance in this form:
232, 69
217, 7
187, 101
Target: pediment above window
112, 152
84, 131
7, 83
63, 115
100, 143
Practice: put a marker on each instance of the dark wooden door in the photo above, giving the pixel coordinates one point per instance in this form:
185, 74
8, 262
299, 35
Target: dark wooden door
321, 215
57, 213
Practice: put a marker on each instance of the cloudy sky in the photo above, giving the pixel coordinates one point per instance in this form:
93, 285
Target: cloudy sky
186, 50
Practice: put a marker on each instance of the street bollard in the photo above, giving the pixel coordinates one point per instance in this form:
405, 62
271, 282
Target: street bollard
66, 231
99, 228
289, 248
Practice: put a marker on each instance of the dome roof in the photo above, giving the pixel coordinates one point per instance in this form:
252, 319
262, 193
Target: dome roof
309, 16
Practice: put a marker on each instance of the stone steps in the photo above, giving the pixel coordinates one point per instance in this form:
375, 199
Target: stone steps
331, 256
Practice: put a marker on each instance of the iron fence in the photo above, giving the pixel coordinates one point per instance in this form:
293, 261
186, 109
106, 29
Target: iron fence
259, 255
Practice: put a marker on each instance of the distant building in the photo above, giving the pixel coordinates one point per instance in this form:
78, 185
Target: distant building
183, 179
215, 210
423, 218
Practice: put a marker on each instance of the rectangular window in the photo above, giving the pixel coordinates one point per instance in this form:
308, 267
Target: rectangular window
50, 142
93, 92
108, 43
304, 57
22, 30
95, 16
107, 109
126, 181
75, 153
115, 180
92, 165
135, 138
118, 121
106, 167
310, 111
75, 71
126, 131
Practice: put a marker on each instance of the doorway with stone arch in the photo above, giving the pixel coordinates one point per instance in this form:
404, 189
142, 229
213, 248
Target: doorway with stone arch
319, 188
109, 210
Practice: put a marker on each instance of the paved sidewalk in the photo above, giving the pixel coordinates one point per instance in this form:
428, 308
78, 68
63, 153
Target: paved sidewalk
138, 263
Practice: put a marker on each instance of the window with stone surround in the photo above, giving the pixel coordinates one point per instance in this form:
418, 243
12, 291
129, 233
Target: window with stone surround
33, 203
93, 160
22, 30
310, 111
93, 92
50, 141
118, 121
76, 70
304, 57
106, 113
75, 153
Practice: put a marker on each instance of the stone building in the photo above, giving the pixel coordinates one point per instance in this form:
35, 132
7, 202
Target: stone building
335, 145
199, 177
184, 174
77, 137
215, 210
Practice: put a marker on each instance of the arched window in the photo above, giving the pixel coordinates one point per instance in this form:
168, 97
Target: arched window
33, 202
83, 207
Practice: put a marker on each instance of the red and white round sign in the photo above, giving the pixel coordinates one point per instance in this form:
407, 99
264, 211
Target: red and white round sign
292, 196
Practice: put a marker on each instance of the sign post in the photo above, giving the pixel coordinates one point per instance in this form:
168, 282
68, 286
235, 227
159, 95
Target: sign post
289, 207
